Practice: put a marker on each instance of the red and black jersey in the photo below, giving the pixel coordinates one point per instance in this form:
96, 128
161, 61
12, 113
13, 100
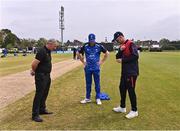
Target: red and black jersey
129, 56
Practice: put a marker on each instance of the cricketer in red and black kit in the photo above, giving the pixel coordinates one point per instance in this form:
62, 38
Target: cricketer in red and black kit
128, 56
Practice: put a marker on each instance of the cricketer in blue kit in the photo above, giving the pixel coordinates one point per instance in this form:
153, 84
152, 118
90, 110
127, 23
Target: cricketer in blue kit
92, 51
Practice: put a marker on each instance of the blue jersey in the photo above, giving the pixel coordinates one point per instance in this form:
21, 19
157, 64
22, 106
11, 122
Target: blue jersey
92, 54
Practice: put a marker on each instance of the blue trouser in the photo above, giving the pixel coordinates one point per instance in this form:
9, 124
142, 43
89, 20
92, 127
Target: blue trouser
96, 75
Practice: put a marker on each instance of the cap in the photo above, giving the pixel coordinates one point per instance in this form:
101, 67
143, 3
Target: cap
116, 35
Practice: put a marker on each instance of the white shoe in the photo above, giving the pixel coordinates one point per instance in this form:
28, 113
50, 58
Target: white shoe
132, 114
119, 109
85, 101
98, 101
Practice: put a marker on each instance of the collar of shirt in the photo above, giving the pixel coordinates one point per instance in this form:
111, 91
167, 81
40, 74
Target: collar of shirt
47, 49
125, 42
91, 45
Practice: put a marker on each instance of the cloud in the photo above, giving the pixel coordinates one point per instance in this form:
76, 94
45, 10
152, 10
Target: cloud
168, 27
135, 18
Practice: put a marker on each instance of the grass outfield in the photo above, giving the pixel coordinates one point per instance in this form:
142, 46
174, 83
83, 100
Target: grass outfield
157, 89
11, 64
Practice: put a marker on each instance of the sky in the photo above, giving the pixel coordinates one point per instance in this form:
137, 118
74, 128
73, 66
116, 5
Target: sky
137, 19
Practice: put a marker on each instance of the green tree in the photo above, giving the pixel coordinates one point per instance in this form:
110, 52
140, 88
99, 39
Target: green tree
8, 39
11, 39
41, 42
6, 31
164, 42
9, 46
24, 43
27, 43
1, 39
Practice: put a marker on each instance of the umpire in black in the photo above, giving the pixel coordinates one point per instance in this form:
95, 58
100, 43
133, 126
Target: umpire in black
128, 56
41, 68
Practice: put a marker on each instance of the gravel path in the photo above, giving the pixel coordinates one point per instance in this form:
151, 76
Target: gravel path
16, 86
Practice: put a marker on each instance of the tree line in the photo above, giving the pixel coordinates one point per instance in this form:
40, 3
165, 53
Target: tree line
10, 40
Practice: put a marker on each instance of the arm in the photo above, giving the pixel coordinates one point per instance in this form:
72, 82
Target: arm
118, 60
34, 65
80, 54
129, 59
81, 57
38, 58
119, 56
106, 54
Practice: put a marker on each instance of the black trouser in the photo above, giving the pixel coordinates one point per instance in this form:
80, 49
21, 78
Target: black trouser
42, 82
74, 55
128, 83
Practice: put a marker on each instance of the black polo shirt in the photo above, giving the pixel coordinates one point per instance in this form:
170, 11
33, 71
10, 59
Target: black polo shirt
44, 56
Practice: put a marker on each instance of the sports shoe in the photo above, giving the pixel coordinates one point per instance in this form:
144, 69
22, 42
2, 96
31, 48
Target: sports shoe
37, 119
119, 109
85, 101
45, 112
132, 114
98, 101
